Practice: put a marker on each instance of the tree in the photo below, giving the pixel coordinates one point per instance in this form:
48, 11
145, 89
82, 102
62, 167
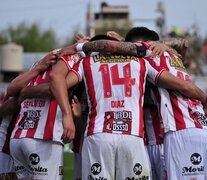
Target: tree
2, 39
32, 38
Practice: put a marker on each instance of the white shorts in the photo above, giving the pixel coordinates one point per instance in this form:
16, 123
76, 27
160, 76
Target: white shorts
156, 155
186, 154
37, 159
6, 163
114, 156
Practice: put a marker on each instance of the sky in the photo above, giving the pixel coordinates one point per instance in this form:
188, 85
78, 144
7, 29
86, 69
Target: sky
67, 16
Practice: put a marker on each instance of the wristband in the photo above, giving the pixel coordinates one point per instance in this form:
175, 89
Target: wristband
81, 54
141, 51
79, 47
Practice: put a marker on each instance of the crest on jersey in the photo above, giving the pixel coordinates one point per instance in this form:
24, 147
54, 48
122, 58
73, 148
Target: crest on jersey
108, 58
176, 63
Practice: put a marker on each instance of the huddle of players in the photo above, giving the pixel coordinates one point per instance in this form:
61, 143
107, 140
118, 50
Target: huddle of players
113, 146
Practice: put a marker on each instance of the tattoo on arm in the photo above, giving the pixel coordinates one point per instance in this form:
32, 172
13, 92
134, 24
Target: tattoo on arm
106, 46
177, 43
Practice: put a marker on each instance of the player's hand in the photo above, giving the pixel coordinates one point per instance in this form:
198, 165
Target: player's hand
81, 38
68, 129
66, 51
157, 48
46, 61
76, 107
115, 35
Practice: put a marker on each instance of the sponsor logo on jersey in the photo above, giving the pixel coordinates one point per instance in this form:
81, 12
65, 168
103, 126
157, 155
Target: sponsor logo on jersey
107, 58
196, 158
27, 125
198, 117
176, 63
33, 115
90, 177
138, 178
118, 121
95, 170
32, 118
137, 169
34, 160
194, 169
19, 168
34, 103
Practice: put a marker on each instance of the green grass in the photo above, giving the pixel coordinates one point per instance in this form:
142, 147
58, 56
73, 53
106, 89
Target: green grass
68, 166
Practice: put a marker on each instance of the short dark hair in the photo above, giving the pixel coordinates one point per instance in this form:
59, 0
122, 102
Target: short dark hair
102, 37
141, 33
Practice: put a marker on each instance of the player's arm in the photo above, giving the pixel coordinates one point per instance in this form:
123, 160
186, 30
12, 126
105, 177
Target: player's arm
103, 46
174, 45
21, 81
179, 44
39, 91
187, 88
108, 46
9, 107
59, 87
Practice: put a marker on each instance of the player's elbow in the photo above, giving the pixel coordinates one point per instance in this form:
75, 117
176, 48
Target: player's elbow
11, 90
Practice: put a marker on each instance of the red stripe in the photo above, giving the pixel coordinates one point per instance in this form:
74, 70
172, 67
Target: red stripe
75, 70
198, 125
66, 63
177, 112
141, 93
156, 120
49, 127
158, 75
91, 93
163, 62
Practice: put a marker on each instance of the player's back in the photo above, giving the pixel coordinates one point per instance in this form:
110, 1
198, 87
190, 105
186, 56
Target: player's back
115, 86
178, 112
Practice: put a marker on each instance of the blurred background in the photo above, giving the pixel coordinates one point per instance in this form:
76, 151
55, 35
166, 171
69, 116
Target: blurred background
29, 29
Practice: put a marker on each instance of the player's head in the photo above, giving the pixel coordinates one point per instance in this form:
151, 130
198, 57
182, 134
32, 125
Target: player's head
102, 37
141, 34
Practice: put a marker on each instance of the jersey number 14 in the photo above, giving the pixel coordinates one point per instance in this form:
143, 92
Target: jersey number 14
127, 81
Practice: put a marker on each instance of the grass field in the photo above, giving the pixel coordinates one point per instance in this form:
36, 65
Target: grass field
68, 166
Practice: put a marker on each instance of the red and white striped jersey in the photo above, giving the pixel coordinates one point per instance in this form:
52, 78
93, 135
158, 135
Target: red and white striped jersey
115, 85
6, 126
70, 60
177, 111
153, 125
41, 118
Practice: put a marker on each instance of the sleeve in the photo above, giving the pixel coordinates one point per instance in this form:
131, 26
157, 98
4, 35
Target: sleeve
70, 60
78, 70
153, 74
